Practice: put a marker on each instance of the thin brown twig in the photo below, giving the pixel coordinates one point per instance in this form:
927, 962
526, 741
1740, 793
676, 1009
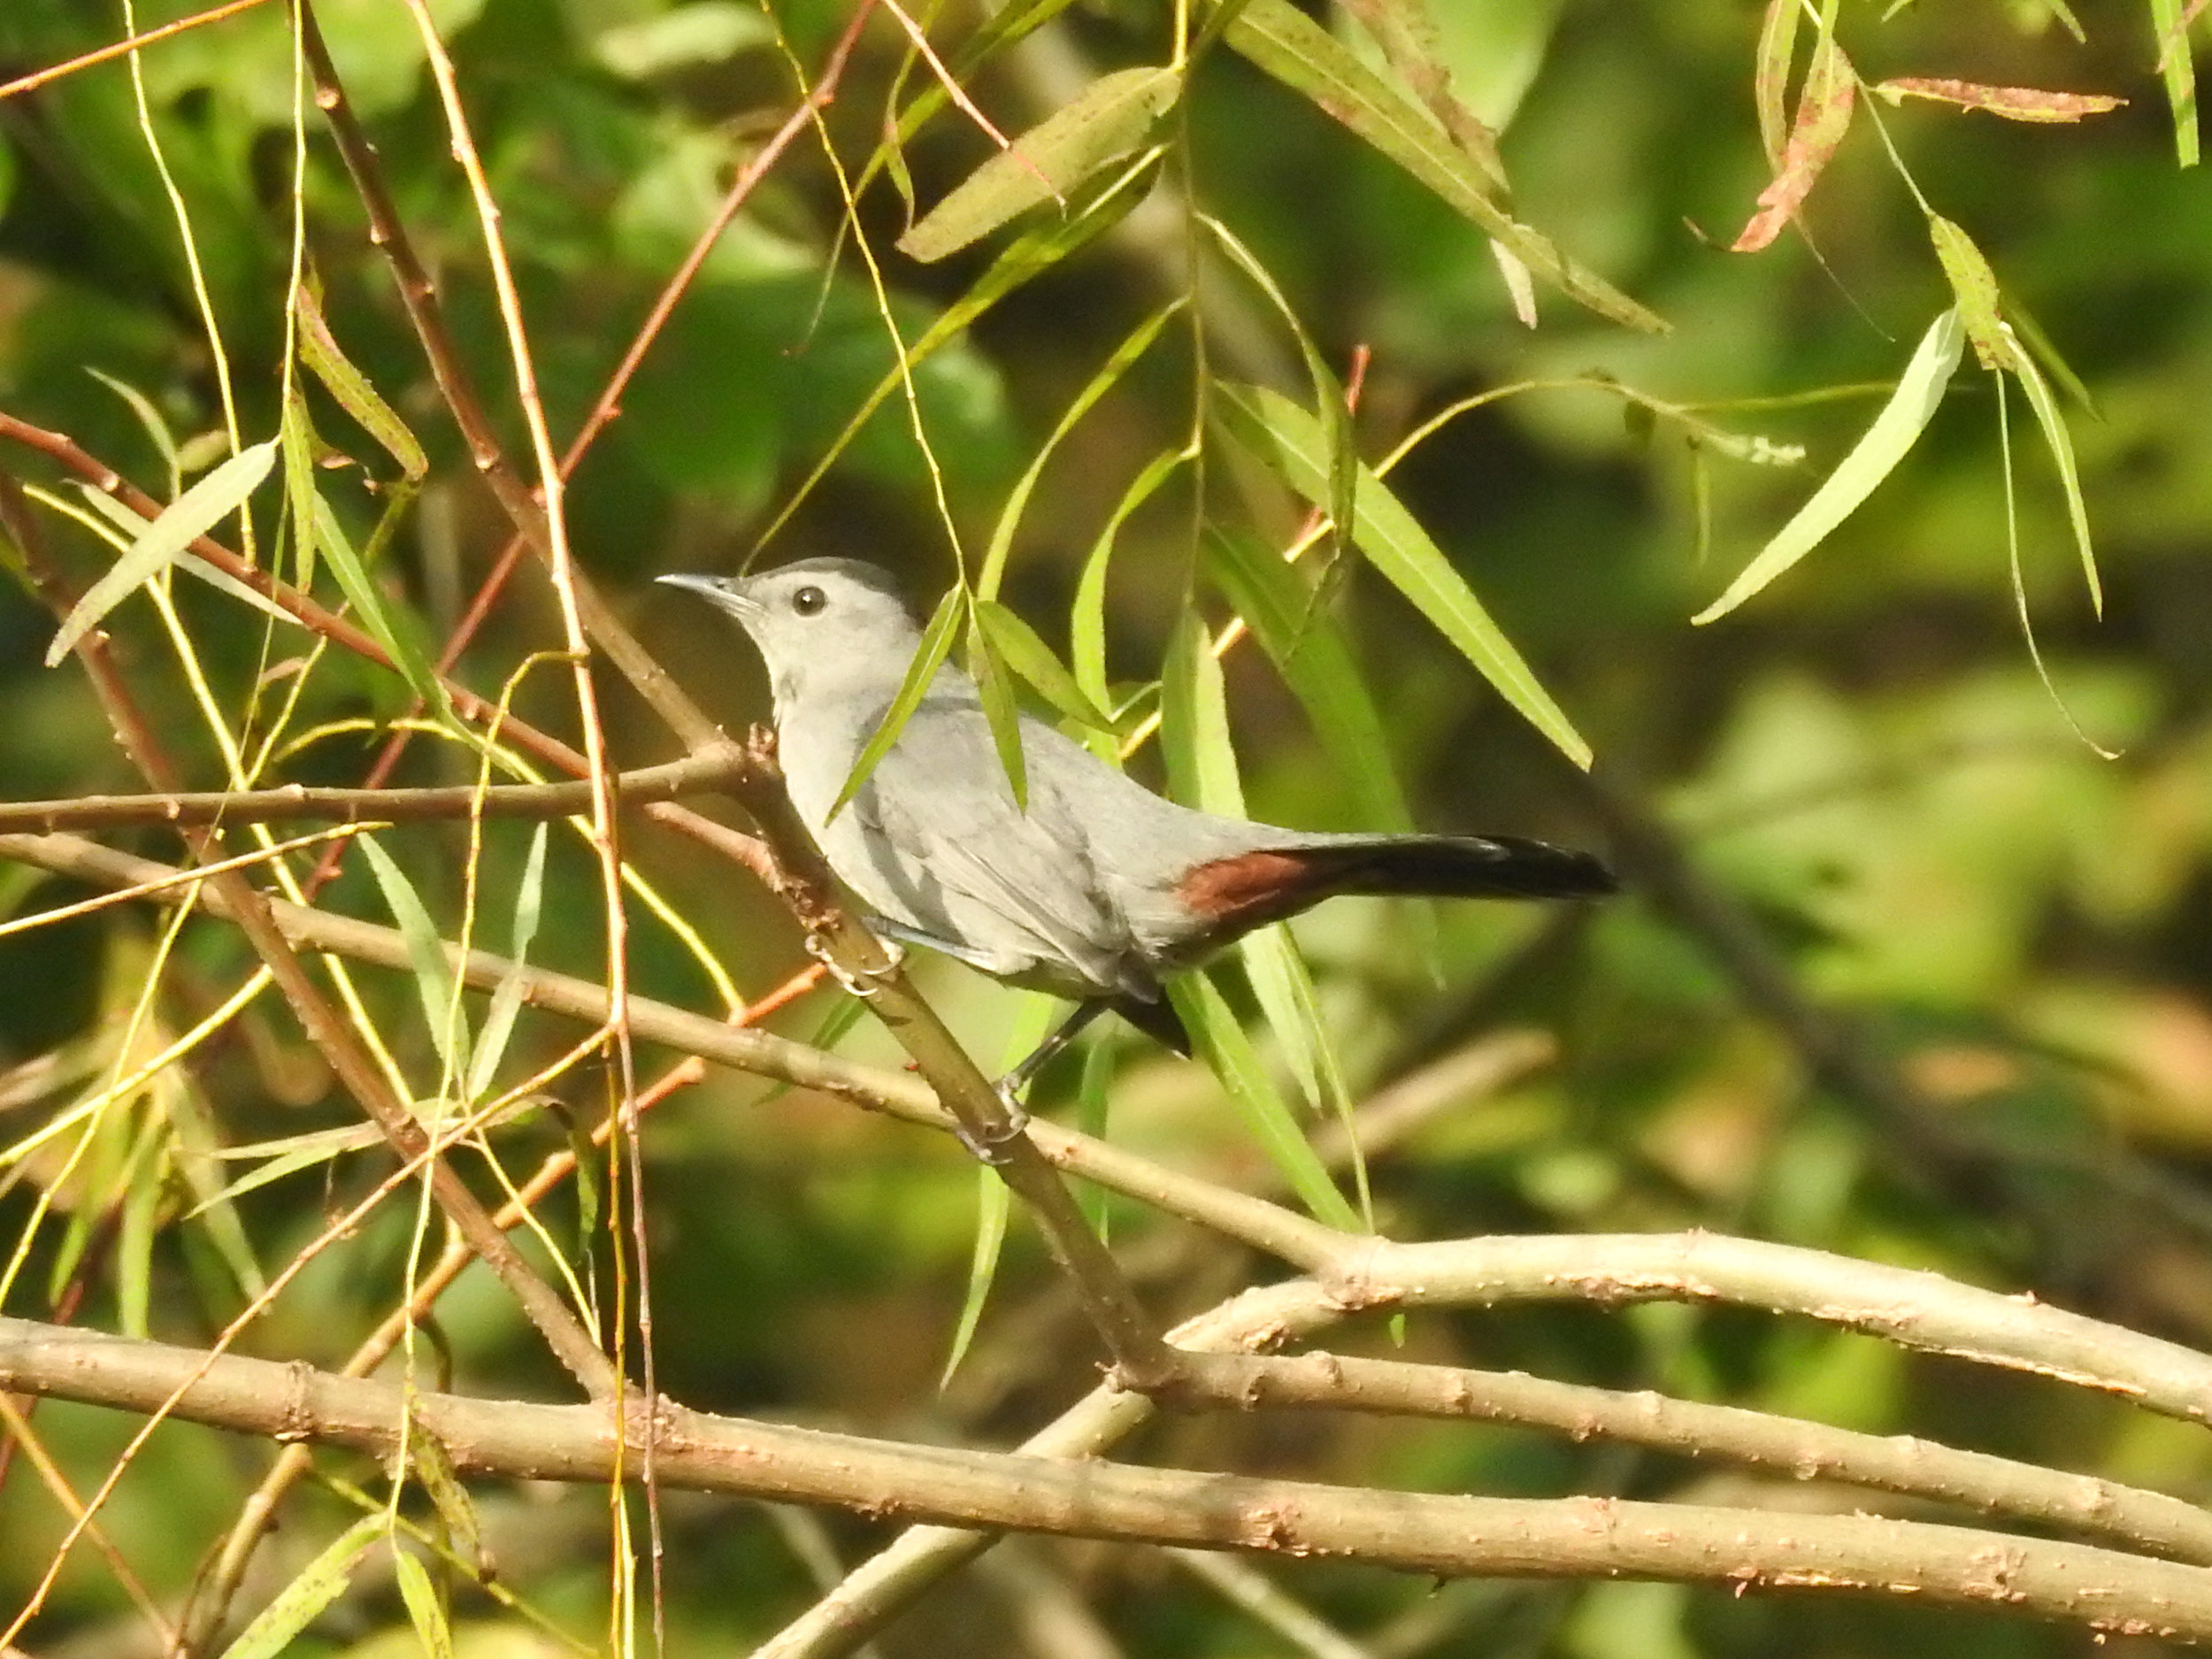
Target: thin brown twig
608, 406
39, 78
63, 449
210, 1605
341, 1045
288, 802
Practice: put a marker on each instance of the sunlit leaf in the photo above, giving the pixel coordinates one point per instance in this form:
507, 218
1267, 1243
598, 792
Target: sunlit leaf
299, 1603
1087, 618
995, 685
2061, 444
2014, 104
127, 524
1311, 652
2177, 67
191, 516
1277, 38
1110, 120
1824, 117
993, 1203
702, 32
1017, 646
1975, 286
1228, 1054
1875, 456
1134, 346
1770, 79
424, 1610
426, 957
506, 1004
1290, 441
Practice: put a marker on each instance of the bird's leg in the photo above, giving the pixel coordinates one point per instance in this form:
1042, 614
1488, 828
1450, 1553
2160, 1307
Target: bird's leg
991, 1148
1015, 1081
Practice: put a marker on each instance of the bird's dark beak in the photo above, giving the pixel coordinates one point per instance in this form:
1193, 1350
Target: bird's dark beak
719, 591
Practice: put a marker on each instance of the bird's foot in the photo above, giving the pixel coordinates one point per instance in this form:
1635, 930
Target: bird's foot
868, 981
989, 1147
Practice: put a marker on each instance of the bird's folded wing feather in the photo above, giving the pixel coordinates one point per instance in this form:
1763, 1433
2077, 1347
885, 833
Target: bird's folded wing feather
1031, 872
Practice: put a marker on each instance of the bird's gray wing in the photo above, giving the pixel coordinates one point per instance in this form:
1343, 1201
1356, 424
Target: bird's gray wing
999, 882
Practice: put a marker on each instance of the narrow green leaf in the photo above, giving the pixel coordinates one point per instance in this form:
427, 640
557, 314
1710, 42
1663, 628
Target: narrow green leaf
2020, 584
2061, 444
128, 525
296, 435
135, 1236
1096, 209
2178, 69
425, 956
370, 609
1328, 396
994, 1202
1031, 659
1110, 120
2032, 334
1884, 443
307, 1151
996, 685
319, 1584
1201, 764
424, 1610
1087, 620
149, 420
1282, 984
1311, 652
355, 394
1771, 80
456, 1511
1975, 286
1133, 347
1093, 1099
929, 657
506, 1004
1281, 40
1229, 1054
186, 519
1289, 440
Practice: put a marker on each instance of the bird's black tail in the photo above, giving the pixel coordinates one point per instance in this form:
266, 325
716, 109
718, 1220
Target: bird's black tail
1455, 867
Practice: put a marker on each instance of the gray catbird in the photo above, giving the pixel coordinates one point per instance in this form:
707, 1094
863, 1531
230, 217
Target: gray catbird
1101, 888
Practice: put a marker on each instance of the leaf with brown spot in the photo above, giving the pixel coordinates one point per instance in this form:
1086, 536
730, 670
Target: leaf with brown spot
2014, 104
1823, 116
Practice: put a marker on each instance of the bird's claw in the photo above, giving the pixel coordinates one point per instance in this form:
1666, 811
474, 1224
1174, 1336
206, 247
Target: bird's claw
989, 1146
894, 954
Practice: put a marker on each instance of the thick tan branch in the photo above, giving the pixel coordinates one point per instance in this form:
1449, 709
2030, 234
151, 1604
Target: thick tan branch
1414, 1532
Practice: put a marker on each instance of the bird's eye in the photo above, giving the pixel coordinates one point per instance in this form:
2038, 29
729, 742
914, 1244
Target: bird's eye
809, 601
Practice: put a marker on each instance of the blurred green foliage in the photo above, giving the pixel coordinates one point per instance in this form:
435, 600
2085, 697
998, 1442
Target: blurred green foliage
1861, 760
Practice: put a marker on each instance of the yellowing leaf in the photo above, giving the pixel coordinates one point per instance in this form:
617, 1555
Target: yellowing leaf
1975, 284
1823, 116
2014, 104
